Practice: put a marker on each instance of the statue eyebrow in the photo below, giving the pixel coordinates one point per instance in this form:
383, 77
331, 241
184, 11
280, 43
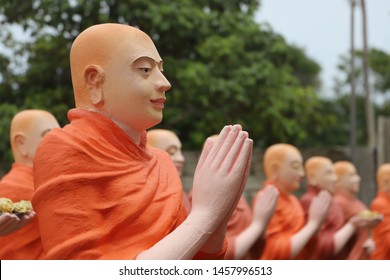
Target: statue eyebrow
151, 60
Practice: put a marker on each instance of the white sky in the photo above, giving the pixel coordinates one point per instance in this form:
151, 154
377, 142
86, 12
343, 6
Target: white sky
322, 28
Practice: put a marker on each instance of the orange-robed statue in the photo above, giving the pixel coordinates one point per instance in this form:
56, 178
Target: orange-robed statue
113, 196
20, 237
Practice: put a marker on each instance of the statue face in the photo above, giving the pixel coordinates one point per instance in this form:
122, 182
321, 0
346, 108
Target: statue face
35, 133
172, 146
168, 141
325, 177
383, 178
291, 171
134, 86
350, 181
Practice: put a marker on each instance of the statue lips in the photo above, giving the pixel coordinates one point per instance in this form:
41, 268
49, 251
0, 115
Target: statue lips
158, 103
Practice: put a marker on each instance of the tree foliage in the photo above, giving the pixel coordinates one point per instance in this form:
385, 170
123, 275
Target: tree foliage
379, 64
223, 66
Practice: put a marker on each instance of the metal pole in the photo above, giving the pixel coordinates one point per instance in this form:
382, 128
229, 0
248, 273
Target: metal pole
353, 88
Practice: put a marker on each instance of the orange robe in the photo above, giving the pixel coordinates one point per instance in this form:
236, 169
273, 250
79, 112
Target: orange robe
287, 220
321, 247
381, 232
101, 196
351, 206
240, 220
24, 244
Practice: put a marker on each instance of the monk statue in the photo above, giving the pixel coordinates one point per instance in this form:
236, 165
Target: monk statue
288, 233
168, 141
113, 196
381, 205
245, 226
19, 232
333, 239
347, 189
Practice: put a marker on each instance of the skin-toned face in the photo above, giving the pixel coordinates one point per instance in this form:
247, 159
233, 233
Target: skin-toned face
168, 141
283, 165
122, 79
135, 86
320, 173
348, 180
383, 178
291, 172
27, 130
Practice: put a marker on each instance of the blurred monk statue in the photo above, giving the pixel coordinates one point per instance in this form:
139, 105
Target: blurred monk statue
347, 189
20, 235
101, 192
288, 233
168, 141
381, 205
332, 241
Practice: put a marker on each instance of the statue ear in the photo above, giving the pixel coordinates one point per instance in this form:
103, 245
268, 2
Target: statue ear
311, 179
94, 79
20, 140
274, 167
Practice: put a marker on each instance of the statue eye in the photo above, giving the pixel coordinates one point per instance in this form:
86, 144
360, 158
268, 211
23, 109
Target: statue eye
146, 70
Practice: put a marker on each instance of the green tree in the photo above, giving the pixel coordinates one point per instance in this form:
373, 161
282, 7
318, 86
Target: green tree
7, 112
380, 69
224, 67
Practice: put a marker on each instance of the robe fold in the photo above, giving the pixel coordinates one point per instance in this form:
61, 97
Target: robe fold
352, 206
321, 246
381, 232
98, 195
287, 220
24, 244
239, 221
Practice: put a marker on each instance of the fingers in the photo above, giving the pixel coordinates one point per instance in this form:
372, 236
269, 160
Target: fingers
324, 199
225, 142
246, 158
26, 219
31, 214
7, 219
217, 145
269, 196
232, 154
8, 223
246, 155
267, 200
206, 151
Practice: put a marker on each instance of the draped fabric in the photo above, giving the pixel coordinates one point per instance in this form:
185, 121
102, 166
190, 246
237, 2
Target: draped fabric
321, 246
24, 244
240, 220
381, 232
101, 196
352, 206
287, 220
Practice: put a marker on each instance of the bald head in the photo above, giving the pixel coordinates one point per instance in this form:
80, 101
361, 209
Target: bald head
348, 180
383, 177
274, 157
96, 47
320, 173
117, 71
158, 138
168, 141
283, 165
341, 168
27, 130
